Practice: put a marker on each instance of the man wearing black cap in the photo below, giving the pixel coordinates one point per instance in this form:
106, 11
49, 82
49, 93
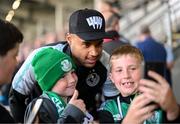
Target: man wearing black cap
84, 45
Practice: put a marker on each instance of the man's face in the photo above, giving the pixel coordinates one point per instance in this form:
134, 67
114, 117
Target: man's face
85, 53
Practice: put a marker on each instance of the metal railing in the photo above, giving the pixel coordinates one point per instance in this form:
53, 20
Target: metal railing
154, 17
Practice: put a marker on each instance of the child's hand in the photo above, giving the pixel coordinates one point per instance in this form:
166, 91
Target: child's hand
79, 103
139, 110
161, 93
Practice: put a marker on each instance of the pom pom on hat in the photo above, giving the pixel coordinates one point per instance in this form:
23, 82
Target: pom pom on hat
49, 66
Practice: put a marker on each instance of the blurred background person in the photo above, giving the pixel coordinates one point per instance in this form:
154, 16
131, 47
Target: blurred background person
24, 50
152, 50
113, 28
10, 39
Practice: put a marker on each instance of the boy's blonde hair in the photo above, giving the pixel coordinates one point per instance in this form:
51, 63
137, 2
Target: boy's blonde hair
126, 50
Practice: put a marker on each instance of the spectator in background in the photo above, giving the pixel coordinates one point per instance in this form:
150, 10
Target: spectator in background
109, 5
152, 50
38, 42
113, 28
50, 37
10, 39
24, 51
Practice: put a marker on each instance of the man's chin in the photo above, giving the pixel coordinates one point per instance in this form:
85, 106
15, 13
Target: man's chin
89, 65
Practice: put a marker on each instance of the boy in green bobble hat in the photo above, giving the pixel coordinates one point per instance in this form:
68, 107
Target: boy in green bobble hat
55, 73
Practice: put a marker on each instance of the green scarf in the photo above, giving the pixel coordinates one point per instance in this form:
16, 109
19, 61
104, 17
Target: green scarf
119, 107
57, 100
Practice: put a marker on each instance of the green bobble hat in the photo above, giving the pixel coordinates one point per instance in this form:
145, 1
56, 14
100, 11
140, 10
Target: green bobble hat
49, 65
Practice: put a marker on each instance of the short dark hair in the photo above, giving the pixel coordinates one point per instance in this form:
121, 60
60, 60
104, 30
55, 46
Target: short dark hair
9, 36
144, 29
113, 18
113, 3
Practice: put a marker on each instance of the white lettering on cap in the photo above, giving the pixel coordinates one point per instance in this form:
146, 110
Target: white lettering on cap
95, 21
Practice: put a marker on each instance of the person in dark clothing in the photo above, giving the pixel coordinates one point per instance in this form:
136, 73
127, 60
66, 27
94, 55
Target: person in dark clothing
84, 45
57, 81
110, 44
152, 50
10, 39
112, 28
5, 88
4, 93
132, 106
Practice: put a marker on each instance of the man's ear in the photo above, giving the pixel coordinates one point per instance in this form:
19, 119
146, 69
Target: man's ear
68, 38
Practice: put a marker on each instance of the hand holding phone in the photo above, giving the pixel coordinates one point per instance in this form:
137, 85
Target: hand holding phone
158, 67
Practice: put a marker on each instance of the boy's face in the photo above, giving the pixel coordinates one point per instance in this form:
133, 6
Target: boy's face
125, 73
66, 85
85, 53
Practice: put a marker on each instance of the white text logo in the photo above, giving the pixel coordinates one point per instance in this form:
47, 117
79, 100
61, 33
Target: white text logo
95, 21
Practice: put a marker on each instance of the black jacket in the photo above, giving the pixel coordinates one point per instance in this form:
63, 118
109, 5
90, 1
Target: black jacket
47, 113
5, 117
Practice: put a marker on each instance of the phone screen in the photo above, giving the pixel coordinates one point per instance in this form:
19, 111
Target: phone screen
158, 67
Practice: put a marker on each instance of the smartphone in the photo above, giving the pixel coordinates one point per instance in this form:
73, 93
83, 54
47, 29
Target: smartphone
159, 67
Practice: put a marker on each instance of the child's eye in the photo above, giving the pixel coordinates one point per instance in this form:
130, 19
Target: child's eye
119, 70
133, 68
73, 72
63, 76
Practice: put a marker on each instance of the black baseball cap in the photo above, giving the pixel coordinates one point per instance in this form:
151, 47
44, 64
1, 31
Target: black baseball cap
88, 24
